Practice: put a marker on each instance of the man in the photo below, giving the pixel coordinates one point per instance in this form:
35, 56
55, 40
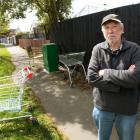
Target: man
114, 72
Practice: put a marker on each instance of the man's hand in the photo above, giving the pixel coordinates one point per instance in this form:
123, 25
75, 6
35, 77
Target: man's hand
101, 72
131, 68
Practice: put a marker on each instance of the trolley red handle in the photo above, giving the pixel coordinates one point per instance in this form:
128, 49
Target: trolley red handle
29, 73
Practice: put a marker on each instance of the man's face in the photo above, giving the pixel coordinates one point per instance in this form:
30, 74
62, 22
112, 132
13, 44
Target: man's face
112, 31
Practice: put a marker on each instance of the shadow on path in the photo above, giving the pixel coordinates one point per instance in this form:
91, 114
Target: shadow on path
70, 107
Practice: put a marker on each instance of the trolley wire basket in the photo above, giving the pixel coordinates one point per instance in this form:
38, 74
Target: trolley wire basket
11, 93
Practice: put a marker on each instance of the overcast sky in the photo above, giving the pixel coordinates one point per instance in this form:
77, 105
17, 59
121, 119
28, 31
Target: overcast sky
80, 7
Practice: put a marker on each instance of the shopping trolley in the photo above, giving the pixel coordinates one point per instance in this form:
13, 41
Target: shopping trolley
71, 61
11, 93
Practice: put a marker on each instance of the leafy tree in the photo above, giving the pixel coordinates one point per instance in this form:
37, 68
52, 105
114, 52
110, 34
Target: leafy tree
56, 10
4, 24
14, 8
51, 11
44, 25
48, 11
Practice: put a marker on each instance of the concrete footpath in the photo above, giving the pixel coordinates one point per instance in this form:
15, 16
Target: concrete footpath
69, 107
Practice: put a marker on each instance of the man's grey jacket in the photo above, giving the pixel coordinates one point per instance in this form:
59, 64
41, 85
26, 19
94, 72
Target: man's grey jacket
117, 90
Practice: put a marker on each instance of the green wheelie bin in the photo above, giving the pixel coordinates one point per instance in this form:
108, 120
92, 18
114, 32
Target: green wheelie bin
50, 57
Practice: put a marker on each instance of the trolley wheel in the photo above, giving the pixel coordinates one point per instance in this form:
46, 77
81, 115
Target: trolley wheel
33, 120
30, 109
71, 85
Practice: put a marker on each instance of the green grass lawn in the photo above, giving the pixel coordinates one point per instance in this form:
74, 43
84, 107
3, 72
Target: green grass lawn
24, 128
6, 66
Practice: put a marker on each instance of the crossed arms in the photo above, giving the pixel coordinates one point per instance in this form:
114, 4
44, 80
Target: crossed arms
112, 79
